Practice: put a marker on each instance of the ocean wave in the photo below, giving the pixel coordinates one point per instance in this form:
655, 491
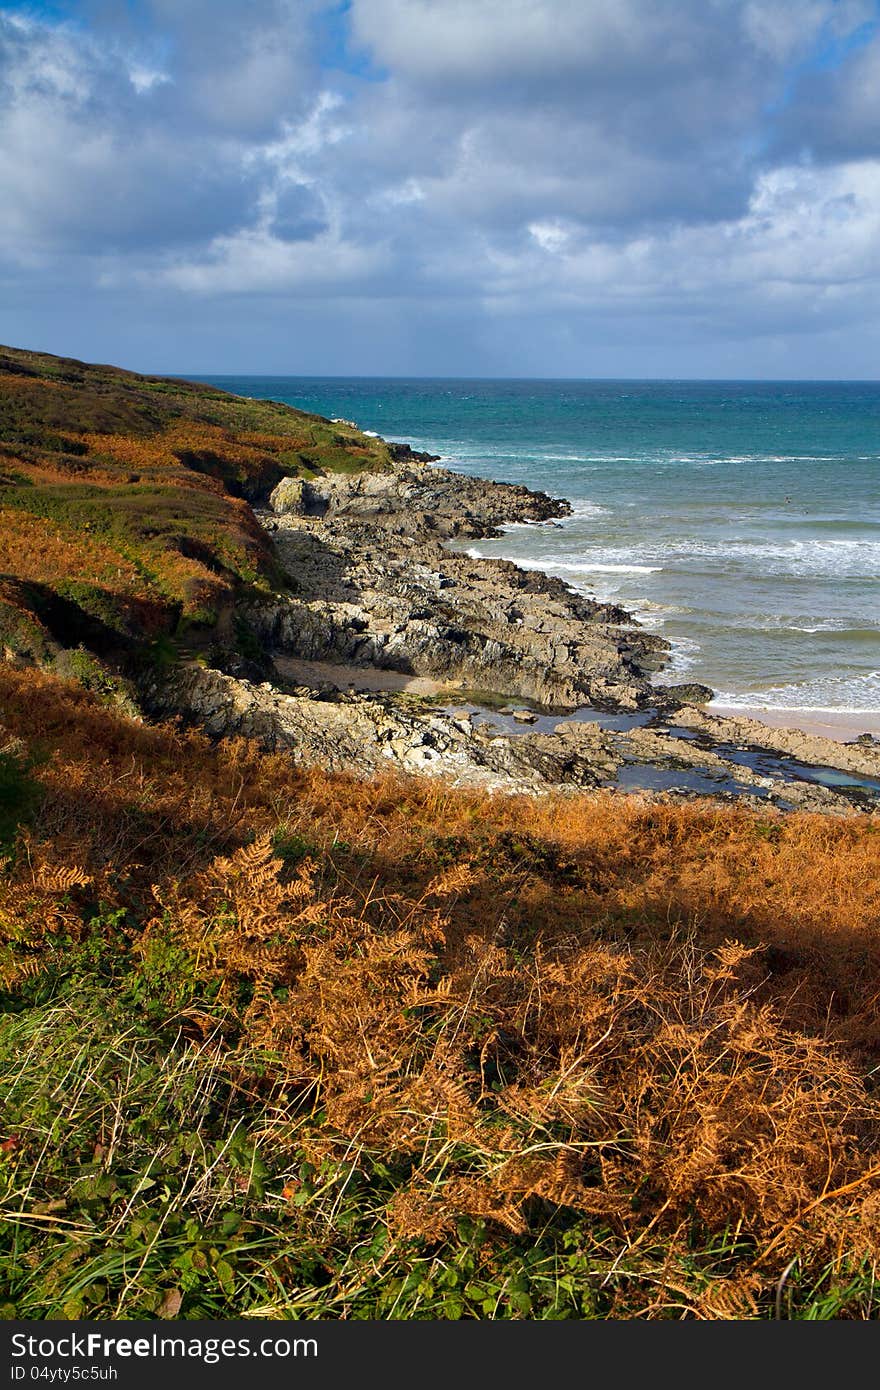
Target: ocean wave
583, 509
849, 634
833, 694
581, 566
832, 558
683, 656
781, 624
593, 567
743, 458
527, 454
745, 705
551, 564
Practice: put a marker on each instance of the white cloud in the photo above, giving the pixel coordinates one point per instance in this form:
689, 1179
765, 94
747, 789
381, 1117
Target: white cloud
809, 244
464, 39
631, 158
550, 236
256, 262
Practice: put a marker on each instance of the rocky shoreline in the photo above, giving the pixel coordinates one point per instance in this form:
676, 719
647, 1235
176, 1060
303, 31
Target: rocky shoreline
389, 650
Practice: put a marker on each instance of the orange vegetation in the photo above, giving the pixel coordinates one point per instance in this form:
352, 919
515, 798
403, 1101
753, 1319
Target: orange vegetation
659, 1019
162, 473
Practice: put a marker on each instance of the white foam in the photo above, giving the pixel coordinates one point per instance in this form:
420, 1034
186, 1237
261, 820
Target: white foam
557, 458
837, 558
738, 458
587, 509
741, 702
780, 623
551, 564
832, 627
684, 654
843, 559
835, 694
590, 567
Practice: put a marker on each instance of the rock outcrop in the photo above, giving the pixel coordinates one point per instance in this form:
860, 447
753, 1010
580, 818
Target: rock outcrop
860, 757
374, 734
365, 597
373, 588
416, 500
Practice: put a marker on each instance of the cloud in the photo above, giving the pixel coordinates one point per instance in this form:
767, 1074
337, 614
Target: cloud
105, 147
834, 113
707, 168
257, 261
808, 248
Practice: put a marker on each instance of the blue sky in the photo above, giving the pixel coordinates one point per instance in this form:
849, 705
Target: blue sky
444, 187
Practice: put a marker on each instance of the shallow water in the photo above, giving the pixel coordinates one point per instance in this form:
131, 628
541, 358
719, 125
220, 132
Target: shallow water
546, 723
649, 777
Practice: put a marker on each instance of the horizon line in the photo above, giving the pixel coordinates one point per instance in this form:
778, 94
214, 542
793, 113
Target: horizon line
400, 376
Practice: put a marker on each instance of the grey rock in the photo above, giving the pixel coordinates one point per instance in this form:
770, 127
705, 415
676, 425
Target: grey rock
374, 587
416, 499
364, 596
860, 758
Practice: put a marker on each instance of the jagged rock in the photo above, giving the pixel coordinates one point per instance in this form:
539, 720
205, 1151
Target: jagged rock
859, 758
404, 453
416, 499
365, 598
374, 588
367, 734
691, 693
296, 497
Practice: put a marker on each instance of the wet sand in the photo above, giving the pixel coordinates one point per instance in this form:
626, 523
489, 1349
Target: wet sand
359, 678
838, 725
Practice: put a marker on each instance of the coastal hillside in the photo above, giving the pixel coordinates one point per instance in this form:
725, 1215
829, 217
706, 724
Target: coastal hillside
321, 994
125, 516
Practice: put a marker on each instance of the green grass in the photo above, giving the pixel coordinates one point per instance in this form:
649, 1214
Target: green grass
89, 397
134, 463
138, 1164
144, 1164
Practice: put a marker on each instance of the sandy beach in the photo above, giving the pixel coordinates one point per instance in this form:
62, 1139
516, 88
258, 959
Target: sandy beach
841, 725
359, 678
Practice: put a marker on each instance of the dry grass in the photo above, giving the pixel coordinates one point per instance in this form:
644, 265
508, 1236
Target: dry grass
654, 1025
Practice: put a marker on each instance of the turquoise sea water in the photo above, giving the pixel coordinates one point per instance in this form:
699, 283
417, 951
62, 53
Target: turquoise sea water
739, 519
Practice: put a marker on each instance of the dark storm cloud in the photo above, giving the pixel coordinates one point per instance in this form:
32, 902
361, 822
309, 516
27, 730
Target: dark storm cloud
834, 113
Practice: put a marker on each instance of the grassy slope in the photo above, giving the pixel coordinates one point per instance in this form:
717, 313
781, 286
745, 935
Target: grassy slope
124, 503
282, 1044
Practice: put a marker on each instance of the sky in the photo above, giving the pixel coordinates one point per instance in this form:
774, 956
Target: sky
539, 188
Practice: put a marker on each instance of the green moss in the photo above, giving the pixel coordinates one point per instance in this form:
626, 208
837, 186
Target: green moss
22, 634
106, 607
91, 673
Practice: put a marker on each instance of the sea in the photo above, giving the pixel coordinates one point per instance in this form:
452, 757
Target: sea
740, 520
